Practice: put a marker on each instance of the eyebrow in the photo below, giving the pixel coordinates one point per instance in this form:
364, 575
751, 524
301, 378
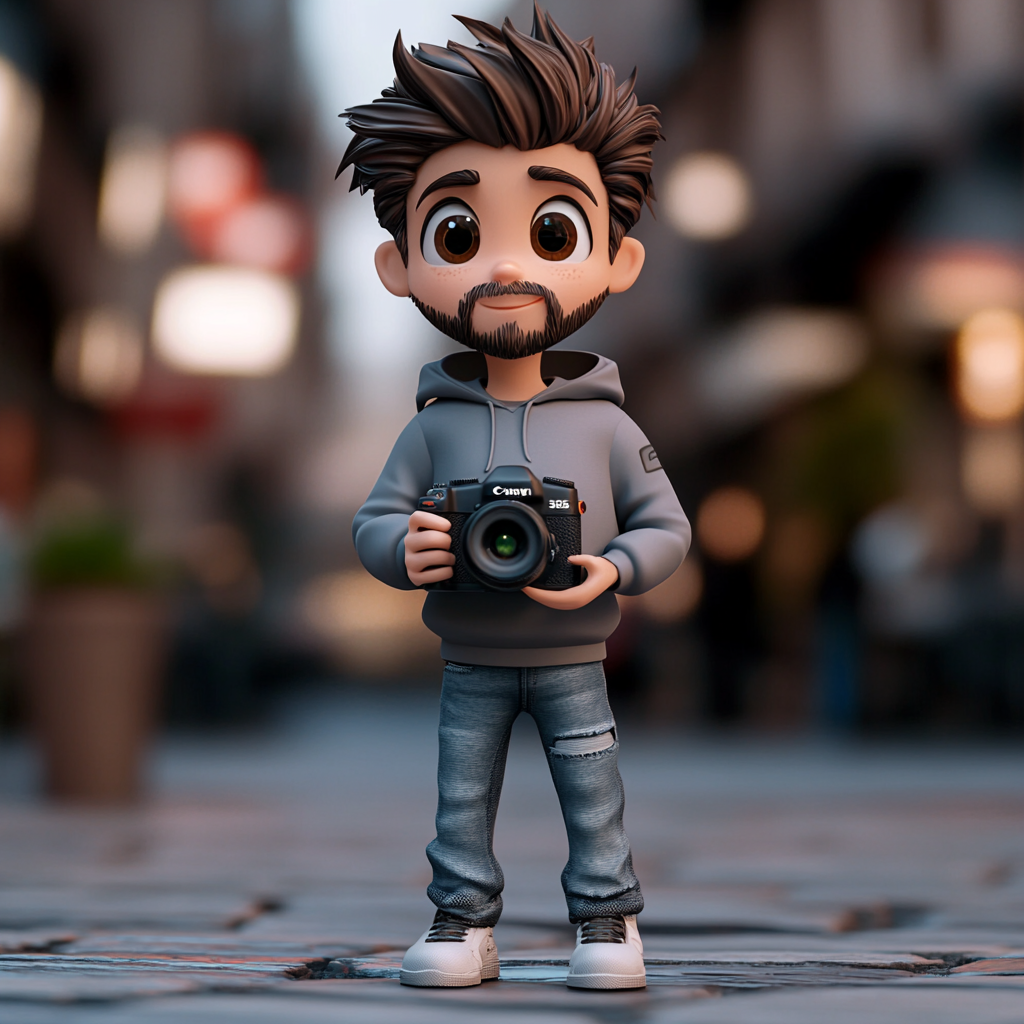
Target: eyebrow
452, 180
541, 173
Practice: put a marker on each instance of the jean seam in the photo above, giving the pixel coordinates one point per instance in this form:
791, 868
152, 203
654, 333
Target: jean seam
494, 798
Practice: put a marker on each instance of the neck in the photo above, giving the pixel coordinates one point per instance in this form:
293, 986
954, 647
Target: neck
514, 380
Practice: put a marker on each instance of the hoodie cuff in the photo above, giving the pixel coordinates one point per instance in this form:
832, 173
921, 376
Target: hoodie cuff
624, 564
403, 573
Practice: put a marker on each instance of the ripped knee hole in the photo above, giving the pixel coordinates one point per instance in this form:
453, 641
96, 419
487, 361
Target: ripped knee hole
584, 744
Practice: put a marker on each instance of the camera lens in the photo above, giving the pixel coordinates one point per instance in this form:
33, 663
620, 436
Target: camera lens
506, 545
504, 539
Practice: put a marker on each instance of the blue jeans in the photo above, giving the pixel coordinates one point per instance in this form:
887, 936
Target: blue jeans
479, 703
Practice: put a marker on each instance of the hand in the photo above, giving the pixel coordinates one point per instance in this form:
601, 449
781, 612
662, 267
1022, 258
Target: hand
427, 555
601, 574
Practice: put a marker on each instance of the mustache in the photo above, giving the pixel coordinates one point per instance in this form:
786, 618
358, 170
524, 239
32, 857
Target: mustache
493, 289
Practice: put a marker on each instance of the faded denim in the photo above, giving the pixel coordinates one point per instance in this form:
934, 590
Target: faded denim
478, 706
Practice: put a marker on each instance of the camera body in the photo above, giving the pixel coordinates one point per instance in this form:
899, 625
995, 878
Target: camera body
509, 531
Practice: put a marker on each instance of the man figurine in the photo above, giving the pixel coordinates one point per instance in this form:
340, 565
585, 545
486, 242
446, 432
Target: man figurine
508, 174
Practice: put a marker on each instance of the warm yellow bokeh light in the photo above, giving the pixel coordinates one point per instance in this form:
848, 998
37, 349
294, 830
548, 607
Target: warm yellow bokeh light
99, 355
730, 524
990, 365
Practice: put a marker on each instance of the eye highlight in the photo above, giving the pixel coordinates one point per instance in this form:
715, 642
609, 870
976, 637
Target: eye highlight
451, 234
561, 231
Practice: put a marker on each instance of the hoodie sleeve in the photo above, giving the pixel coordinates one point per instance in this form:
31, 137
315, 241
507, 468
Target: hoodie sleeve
655, 533
382, 523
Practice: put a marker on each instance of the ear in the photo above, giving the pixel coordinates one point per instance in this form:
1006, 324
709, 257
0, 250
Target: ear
629, 261
391, 269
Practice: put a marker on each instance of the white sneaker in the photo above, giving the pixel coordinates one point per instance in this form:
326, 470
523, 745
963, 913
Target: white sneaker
449, 954
608, 954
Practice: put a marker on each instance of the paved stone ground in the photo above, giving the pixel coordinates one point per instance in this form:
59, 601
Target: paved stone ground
277, 876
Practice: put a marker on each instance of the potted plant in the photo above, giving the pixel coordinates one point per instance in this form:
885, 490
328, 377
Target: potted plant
94, 658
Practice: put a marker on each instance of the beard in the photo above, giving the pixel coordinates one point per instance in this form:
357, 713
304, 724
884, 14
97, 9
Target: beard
509, 341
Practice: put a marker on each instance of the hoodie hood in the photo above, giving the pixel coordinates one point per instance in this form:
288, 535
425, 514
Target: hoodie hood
574, 376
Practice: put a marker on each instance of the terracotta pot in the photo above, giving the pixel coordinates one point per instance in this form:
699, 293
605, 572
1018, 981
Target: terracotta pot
94, 664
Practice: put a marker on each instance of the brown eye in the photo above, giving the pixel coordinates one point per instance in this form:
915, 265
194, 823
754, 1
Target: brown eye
457, 239
451, 235
553, 236
560, 232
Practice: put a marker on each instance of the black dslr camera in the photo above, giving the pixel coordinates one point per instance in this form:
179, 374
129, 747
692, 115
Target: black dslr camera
510, 531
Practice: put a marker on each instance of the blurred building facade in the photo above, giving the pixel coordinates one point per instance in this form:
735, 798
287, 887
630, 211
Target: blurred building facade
846, 187
826, 345
174, 150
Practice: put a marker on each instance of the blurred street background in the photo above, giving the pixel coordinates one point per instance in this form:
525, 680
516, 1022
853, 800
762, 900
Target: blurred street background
200, 377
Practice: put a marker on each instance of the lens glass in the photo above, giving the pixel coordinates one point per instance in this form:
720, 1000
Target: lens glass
505, 545
504, 539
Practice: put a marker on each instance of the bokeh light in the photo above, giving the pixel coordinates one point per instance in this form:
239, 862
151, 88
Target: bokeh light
939, 288
21, 126
779, 354
992, 469
269, 232
890, 544
132, 190
708, 196
990, 365
225, 320
99, 355
210, 174
731, 524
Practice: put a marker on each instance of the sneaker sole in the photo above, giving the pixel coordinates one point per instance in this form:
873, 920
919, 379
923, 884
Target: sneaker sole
442, 979
439, 979
606, 981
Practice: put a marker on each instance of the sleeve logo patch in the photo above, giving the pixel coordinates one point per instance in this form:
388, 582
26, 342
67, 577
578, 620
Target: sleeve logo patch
649, 457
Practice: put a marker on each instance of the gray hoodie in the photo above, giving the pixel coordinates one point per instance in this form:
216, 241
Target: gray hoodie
574, 430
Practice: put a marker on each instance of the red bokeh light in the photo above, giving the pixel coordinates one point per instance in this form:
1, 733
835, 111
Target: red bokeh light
210, 175
268, 232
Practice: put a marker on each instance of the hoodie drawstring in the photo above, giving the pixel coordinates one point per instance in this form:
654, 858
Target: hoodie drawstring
490, 454
526, 418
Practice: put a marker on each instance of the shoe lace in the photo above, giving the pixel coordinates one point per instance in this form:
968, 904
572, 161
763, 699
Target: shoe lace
603, 929
447, 928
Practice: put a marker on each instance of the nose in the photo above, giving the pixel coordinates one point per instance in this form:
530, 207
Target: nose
506, 272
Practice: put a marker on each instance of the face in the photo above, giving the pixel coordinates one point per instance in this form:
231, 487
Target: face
517, 260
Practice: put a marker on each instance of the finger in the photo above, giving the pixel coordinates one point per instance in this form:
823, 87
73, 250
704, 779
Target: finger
598, 569
418, 561
431, 575
564, 600
559, 603
426, 539
421, 520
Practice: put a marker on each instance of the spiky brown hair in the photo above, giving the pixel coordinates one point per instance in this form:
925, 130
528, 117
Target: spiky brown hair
529, 91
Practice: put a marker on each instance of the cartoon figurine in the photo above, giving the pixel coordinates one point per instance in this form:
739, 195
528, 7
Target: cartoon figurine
520, 495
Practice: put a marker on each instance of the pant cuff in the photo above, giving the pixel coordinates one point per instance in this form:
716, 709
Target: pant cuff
626, 903
460, 905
